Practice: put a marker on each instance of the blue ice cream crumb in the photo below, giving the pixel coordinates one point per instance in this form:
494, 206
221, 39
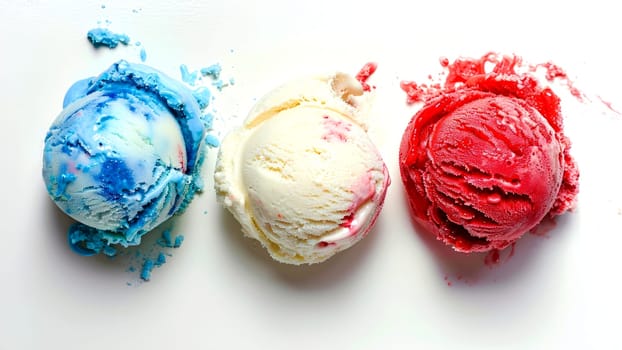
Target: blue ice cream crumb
145, 273
81, 161
219, 84
104, 37
212, 71
178, 241
212, 141
208, 118
110, 251
87, 241
149, 264
151, 257
187, 76
165, 240
161, 260
203, 96
143, 52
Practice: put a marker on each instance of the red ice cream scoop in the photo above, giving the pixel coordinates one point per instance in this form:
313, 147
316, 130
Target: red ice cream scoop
486, 163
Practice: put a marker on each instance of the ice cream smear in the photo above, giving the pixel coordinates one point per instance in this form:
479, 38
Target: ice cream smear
124, 155
301, 175
485, 160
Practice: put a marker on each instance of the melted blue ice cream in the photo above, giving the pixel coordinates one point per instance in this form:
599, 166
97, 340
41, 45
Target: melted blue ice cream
124, 155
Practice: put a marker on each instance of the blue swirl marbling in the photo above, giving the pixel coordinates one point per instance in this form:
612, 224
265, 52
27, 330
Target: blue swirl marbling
124, 155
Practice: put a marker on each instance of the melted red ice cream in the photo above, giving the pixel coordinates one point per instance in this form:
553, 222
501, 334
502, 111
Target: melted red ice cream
485, 160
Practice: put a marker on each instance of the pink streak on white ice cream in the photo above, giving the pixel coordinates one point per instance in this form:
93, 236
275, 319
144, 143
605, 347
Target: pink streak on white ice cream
336, 130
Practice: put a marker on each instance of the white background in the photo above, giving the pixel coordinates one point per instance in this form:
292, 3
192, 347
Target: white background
220, 290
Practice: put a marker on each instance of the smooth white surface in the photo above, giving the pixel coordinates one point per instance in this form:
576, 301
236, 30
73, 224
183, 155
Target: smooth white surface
220, 290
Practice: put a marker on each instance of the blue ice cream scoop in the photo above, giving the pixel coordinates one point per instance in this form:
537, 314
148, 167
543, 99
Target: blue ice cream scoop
124, 155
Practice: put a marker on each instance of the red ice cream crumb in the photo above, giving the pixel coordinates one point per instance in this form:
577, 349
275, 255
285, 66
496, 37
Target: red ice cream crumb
493, 257
416, 92
461, 72
555, 72
447, 281
364, 74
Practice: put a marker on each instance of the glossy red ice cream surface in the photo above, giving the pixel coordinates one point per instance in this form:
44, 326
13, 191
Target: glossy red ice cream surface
485, 160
